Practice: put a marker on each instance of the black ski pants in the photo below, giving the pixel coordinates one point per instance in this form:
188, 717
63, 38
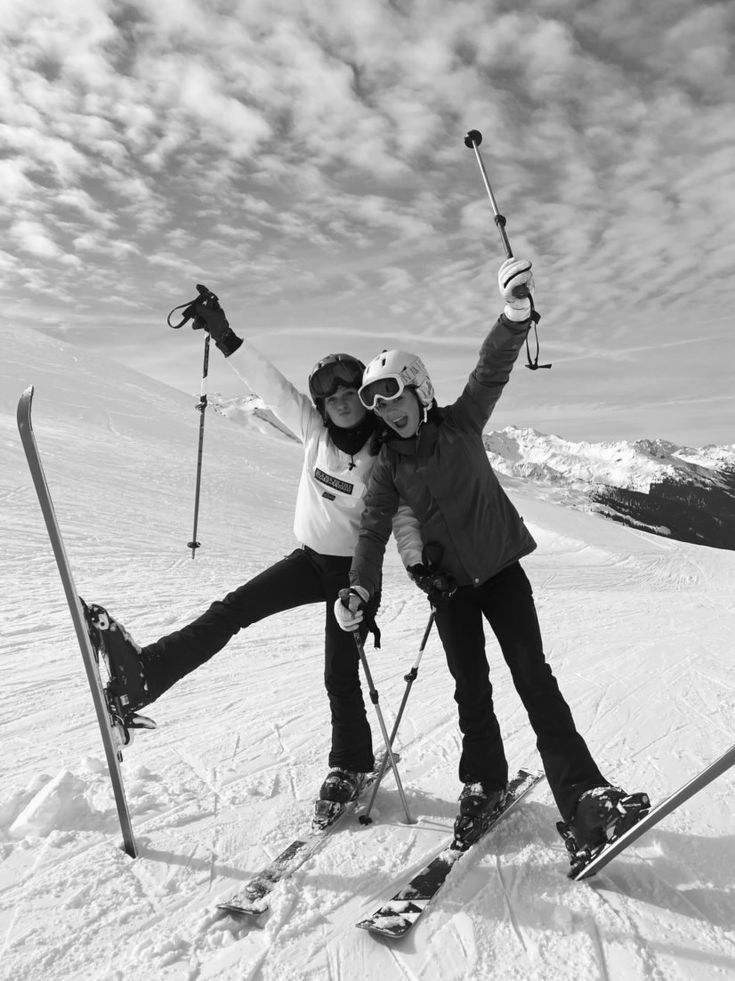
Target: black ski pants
506, 602
301, 578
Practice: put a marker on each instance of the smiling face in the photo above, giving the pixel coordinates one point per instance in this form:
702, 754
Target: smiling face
402, 414
344, 408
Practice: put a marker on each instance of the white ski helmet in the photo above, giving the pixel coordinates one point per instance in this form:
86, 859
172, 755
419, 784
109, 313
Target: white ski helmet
390, 372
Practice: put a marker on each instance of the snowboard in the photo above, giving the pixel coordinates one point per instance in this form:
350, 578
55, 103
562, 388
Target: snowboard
111, 737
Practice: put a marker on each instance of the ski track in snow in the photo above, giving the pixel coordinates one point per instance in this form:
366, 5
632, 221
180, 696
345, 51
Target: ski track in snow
638, 630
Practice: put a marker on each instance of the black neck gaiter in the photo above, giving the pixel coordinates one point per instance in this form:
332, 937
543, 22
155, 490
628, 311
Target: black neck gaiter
352, 440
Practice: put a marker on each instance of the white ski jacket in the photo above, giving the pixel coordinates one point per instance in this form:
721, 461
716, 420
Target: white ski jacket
332, 487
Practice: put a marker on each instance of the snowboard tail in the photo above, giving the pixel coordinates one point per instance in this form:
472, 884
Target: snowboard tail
111, 735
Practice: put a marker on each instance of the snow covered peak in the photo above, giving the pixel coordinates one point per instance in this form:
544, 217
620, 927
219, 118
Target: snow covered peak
632, 465
671, 490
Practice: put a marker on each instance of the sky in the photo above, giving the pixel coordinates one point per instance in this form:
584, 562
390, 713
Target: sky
306, 161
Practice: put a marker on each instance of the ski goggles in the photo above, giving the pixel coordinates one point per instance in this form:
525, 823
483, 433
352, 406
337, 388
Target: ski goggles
328, 376
387, 388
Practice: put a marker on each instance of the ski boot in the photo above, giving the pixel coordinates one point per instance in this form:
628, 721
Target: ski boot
602, 815
476, 804
126, 691
339, 788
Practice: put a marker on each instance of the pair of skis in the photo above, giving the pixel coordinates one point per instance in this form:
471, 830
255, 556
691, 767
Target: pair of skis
398, 915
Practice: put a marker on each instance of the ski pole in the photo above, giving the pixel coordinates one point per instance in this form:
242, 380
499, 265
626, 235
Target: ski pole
201, 406
189, 309
409, 679
473, 141
374, 698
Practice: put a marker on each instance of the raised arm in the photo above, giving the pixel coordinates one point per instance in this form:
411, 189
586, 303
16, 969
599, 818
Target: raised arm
292, 407
499, 350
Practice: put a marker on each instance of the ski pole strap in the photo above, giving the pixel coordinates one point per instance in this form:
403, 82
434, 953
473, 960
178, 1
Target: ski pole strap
368, 620
372, 626
188, 314
533, 364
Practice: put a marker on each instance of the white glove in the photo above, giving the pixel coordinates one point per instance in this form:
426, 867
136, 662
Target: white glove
348, 608
512, 274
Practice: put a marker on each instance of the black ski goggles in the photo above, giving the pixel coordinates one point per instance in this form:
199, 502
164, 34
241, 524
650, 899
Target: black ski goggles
387, 389
328, 376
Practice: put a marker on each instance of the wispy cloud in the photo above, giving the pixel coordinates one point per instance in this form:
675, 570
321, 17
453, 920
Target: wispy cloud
306, 160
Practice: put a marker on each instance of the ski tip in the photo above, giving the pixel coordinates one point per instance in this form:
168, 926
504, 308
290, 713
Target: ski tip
395, 931
239, 913
24, 406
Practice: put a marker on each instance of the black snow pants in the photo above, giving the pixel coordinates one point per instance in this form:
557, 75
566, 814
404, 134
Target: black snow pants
506, 602
301, 578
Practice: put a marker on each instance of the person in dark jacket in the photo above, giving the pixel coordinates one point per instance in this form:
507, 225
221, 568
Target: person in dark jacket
434, 459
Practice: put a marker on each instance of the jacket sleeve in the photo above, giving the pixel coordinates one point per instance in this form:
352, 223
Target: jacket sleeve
407, 533
292, 407
498, 354
381, 504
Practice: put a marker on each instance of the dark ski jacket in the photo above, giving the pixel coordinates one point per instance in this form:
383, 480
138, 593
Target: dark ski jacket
445, 477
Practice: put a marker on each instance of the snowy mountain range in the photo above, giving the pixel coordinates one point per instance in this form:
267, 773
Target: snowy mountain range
676, 491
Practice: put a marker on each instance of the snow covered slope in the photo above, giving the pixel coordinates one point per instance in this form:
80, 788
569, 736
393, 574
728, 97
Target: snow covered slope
638, 629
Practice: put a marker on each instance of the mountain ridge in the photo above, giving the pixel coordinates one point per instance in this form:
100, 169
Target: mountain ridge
679, 492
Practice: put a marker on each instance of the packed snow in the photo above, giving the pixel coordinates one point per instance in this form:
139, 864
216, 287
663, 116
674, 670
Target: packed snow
638, 629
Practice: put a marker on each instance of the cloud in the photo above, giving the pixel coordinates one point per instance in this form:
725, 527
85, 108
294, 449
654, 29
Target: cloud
14, 185
33, 238
308, 159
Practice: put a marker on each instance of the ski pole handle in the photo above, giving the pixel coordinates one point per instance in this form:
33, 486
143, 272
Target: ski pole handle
189, 308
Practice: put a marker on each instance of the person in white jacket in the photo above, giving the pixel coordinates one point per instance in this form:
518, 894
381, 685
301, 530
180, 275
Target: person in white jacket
336, 431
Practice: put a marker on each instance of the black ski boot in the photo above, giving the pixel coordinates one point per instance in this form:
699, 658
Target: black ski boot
342, 785
339, 788
601, 815
127, 690
476, 804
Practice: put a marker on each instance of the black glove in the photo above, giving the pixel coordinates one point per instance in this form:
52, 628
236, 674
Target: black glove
209, 316
437, 585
